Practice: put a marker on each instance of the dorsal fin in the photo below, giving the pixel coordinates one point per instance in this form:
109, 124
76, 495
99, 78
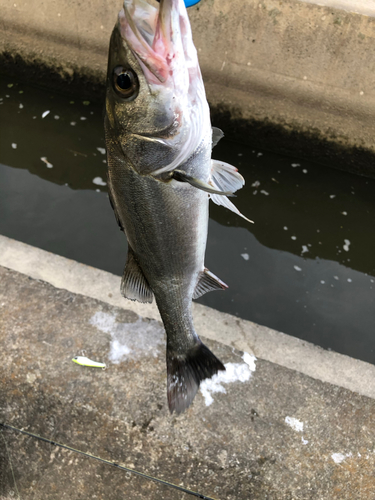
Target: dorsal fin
134, 285
207, 282
217, 134
225, 177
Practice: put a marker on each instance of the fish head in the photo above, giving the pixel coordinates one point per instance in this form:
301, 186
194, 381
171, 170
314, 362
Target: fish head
156, 103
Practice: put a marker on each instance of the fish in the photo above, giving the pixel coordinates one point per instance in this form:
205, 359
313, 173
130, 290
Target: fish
161, 178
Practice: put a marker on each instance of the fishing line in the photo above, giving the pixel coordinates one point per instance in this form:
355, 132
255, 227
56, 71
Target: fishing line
113, 464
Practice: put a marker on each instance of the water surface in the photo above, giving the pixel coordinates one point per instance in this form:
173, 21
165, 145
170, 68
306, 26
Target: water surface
306, 267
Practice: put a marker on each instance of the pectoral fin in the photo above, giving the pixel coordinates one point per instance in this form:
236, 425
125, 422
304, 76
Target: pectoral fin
134, 285
181, 176
224, 177
217, 134
208, 282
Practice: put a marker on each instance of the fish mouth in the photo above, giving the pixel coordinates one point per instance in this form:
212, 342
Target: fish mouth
160, 37
161, 40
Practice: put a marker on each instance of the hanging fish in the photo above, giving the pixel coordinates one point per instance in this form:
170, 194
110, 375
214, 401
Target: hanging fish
161, 177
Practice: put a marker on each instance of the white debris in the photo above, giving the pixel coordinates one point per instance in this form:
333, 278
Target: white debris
56, 117
304, 441
304, 171
233, 372
349, 280
304, 249
293, 237
294, 423
101, 150
245, 256
344, 213
73, 123
285, 228
255, 184
346, 245
45, 113
99, 181
332, 196
297, 268
294, 165
14, 145
44, 159
21, 106
83, 118
264, 192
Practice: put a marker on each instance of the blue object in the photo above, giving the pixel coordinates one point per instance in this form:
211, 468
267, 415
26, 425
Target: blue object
190, 3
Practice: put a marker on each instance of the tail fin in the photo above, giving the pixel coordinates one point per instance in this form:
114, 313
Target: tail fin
186, 372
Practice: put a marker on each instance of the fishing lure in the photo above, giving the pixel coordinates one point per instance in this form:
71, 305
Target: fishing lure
83, 361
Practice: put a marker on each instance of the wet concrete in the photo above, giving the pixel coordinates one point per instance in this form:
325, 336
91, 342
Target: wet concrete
242, 446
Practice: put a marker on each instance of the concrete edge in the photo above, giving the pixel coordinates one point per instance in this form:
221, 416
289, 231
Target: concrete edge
270, 345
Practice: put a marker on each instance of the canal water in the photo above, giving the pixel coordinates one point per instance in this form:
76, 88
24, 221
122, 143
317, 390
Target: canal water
306, 267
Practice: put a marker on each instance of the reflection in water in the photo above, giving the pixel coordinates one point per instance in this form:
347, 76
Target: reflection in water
306, 267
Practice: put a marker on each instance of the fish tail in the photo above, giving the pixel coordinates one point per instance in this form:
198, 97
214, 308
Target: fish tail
185, 372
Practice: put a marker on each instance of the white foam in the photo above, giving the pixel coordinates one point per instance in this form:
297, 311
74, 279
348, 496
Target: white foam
99, 181
234, 372
294, 423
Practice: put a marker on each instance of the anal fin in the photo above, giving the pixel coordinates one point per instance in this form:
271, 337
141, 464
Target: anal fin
207, 282
134, 285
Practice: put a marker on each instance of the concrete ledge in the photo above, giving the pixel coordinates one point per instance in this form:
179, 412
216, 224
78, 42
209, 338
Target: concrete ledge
261, 341
258, 431
274, 71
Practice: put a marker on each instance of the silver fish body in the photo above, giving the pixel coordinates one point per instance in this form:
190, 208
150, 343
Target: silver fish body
153, 131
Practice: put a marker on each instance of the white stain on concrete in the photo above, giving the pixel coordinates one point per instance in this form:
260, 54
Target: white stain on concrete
129, 340
234, 372
340, 457
294, 423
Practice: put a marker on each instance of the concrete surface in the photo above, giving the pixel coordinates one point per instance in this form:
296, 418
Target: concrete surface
263, 342
277, 434
291, 76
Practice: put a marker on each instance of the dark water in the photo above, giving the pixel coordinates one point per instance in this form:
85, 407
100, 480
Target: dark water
306, 267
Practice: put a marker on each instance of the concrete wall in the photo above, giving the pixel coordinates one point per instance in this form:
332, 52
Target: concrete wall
291, 76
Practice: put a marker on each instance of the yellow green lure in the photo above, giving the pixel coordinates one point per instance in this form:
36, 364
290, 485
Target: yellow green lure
83, 361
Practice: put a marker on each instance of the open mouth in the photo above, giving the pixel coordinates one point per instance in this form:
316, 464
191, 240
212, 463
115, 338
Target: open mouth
159, 36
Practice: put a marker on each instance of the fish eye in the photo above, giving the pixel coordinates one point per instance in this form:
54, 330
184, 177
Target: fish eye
125, 82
